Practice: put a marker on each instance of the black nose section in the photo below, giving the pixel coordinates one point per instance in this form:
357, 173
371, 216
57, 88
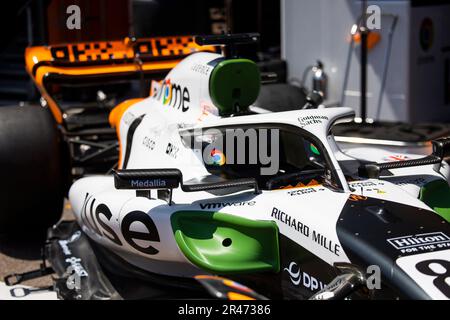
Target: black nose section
378, 232
374, 221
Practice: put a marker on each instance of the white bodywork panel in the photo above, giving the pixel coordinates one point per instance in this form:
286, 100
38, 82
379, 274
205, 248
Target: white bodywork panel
164, 118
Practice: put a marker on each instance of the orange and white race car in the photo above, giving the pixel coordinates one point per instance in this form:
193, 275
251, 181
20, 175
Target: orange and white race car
45, 147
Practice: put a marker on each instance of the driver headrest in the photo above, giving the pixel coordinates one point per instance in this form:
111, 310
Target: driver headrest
234, 82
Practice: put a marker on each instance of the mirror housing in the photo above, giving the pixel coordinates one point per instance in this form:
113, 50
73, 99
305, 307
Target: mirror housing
441, 150
144, 180
441, 147
147, 179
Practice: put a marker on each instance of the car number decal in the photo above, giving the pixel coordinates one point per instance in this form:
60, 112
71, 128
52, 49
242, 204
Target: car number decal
431, 271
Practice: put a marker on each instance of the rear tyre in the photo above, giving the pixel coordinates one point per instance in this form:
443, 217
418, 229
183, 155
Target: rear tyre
32, 176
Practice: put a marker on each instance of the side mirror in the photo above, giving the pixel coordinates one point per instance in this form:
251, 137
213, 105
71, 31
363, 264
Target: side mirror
147, 179
441, 150
441, 147
144, 180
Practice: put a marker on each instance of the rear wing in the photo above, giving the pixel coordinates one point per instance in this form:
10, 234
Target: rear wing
101, 61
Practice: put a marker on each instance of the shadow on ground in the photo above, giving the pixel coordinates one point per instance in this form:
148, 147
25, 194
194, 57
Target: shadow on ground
24, 249
22, 254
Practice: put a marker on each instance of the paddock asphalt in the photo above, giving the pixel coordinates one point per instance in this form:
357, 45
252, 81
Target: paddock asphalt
17, 256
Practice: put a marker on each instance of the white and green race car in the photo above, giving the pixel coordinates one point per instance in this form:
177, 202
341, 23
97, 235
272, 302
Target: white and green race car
208, 189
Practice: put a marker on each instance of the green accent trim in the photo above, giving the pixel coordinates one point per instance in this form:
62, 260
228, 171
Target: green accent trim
314, 149
234, 82
436, 195
226, 244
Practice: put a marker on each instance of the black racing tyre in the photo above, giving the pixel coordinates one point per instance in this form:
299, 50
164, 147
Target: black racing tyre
32, 171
